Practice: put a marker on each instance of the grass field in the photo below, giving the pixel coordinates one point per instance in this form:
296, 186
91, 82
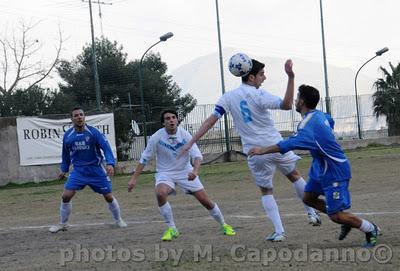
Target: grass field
93, 243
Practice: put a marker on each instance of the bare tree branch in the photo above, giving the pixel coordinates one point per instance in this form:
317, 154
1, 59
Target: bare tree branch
55, 62
18, 59
41, 72
5, 68
22, 52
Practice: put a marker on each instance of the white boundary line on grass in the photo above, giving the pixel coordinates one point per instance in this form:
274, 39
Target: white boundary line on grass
291, 215
8, 229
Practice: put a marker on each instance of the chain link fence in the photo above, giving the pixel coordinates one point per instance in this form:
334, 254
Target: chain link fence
343, 112
129, 125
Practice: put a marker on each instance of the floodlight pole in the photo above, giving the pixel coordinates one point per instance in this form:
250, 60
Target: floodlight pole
378, 53
162, 38
221, 67
327, 98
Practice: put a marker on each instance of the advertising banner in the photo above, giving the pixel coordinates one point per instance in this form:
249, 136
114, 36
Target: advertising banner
40, 140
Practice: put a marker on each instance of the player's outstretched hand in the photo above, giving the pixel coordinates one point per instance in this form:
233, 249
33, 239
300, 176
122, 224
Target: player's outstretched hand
255, 151
131, 184
110, 170
289, 68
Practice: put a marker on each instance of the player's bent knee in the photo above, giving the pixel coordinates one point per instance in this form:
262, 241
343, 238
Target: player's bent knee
161, 195
67, 195
337, 218
108, 197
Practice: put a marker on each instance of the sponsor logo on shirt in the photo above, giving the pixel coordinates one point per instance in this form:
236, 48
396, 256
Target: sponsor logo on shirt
80, 145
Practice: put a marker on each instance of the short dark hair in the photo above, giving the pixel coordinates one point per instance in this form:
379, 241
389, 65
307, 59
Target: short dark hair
76, 108
171, 111
257, 66
310, 96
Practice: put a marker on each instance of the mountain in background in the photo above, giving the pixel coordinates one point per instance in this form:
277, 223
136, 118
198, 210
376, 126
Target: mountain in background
201, 77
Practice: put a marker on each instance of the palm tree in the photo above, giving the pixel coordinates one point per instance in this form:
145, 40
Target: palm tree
387, 98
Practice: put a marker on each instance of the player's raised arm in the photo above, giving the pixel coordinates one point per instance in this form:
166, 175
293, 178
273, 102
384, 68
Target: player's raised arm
288, 99
205, 127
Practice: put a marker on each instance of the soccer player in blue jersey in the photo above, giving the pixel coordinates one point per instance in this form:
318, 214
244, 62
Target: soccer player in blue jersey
330, 171
82, 145
175, 171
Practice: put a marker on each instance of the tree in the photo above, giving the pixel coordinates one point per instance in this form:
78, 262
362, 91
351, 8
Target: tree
114, 76
119, 87
35, 101
387, 98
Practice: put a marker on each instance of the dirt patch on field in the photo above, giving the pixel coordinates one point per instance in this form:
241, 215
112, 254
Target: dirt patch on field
93, 243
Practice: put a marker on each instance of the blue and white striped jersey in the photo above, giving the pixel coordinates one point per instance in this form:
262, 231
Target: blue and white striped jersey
84, 148
314, 133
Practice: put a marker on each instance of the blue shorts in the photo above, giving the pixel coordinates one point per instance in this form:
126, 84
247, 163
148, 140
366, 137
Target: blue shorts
93, 176
337, 194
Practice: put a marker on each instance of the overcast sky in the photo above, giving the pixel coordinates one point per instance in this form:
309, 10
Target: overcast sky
354, 29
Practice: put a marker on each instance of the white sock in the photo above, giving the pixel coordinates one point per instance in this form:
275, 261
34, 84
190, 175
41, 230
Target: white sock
166, 212
272, 211
298, 186
115, 210
366, 226
217, 215
65, 211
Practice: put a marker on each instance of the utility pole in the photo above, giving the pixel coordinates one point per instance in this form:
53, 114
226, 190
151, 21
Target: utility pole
95, 72
100, 14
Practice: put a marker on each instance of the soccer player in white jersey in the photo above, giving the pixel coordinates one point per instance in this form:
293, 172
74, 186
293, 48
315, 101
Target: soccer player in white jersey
82, 145
250, 108
172, 171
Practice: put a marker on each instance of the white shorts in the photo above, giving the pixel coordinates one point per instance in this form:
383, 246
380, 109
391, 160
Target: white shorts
182, 181
263, 167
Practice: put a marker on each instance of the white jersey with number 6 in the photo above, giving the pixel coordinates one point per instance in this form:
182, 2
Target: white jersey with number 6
250, 112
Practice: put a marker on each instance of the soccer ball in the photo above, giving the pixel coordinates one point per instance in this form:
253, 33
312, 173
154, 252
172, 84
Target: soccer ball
240, 64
